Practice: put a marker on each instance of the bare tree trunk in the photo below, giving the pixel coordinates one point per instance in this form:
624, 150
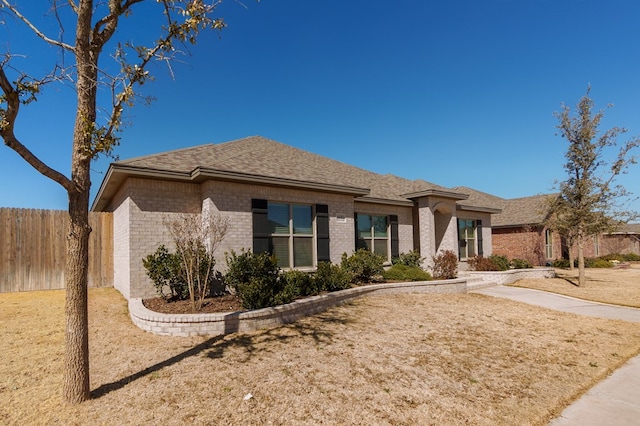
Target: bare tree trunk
582, 279
76, 383
76, 386
571, 256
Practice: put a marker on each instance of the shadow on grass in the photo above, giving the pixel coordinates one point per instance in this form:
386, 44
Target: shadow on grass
253, 344
571, 280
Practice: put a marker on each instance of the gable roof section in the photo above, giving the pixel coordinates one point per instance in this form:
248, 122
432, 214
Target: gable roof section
260, 160
523, 211
628, 229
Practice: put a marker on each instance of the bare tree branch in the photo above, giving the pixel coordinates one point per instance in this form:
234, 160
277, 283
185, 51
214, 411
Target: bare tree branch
12, 98
35, 29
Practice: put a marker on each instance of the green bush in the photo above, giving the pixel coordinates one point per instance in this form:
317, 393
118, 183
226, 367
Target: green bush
561, 263
597, 263
631, 257
265, 291
363, 265
589, 262
165, 270
401, 272
627, 257
255, 279
502, 262
412, 259
521, 264
613, 256
330, 277
300, 281
242, 267
445, 265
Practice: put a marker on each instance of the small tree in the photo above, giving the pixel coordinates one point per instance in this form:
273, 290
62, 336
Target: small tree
196, 240
589, 201
98, 113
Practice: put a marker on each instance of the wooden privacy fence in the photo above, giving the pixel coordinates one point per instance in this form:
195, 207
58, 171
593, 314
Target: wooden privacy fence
33, 249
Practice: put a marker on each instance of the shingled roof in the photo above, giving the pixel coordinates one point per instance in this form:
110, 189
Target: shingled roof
258, 159
515, 211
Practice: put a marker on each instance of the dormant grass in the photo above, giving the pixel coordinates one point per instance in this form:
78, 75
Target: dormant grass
392, 360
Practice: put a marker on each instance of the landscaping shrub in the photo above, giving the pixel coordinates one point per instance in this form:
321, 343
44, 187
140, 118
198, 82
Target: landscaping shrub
241, 267
402, 272
589, 262
264, 291
502, 262
597, 263
256, 280
300, 281
561, 263
445, 265
329, 277
521, 264
613, 256
165, 270
481, 263
631, 257
627, 257
363, 265
412, 259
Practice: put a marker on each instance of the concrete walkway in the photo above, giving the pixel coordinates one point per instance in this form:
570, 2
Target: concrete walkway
616, 400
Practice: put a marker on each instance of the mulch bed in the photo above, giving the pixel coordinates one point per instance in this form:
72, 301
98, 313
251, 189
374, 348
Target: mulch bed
217, 304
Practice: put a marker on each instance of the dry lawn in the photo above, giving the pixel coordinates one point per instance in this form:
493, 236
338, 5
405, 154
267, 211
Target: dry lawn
614, 286
393, 360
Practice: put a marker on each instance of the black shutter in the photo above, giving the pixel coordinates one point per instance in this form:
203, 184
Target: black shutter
459, 241
479, 232
260, 225
395, 241
356, 242
322, 233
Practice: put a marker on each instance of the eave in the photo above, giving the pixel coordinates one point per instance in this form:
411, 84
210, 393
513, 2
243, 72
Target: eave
478, 209
117, 174
436, 193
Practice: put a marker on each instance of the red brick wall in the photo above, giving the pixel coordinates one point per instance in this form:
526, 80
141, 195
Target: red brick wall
525, 242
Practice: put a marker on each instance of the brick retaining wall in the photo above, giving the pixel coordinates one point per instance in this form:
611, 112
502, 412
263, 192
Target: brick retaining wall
513, 275
218, 324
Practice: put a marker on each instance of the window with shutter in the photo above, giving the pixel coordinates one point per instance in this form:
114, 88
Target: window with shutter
376, 233
287, 231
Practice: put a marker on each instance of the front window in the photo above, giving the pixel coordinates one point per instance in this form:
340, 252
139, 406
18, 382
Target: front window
466, 238
548, 244
291, 232
373, 233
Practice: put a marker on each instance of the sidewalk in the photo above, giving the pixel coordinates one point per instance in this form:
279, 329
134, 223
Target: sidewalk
616, 400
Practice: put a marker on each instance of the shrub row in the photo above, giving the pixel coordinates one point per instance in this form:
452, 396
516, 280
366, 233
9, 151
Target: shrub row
497, 263
258, 281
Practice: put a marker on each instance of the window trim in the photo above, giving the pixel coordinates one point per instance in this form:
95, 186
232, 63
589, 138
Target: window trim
263, 241
476, 225
548, 243
391, 237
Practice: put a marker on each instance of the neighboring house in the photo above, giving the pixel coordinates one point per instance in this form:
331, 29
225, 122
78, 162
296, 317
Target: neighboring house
624, 240
518, 231
300, 206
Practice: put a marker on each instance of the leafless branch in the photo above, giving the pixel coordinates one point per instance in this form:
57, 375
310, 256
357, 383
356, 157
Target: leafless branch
12, 98
35, 29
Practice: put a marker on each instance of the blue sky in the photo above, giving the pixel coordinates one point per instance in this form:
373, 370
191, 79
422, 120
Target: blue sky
456, 92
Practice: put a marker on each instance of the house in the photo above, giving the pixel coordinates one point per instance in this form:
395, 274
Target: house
302, 207
519, 231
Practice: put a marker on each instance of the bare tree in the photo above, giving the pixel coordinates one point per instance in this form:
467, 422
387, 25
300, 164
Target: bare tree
196, 240
589, 201
95, 25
